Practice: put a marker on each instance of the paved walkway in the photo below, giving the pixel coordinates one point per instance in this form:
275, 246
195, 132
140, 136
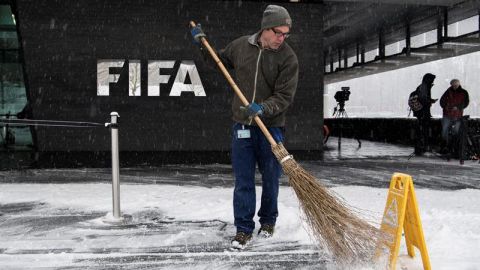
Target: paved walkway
33, 232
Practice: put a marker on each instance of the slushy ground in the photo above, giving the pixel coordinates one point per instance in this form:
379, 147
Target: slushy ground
181, 217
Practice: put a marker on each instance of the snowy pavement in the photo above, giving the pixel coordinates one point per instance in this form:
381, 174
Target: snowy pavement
180, 217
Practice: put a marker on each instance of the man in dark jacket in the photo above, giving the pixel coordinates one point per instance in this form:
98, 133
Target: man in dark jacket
266, 70
453, 101
423, 115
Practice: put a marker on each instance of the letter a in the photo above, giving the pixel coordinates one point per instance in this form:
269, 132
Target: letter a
179, 86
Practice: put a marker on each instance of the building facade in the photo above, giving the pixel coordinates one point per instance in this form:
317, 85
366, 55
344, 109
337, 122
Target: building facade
79, 61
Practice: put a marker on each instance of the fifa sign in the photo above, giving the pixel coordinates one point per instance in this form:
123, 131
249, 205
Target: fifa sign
155, 77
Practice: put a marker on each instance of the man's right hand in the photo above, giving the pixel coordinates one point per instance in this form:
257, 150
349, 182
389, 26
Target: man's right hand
253, 109
197, 34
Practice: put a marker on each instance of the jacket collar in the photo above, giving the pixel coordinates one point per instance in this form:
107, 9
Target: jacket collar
458, 89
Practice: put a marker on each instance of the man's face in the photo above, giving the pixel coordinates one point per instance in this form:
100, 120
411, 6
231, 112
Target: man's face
274, 37
455, 85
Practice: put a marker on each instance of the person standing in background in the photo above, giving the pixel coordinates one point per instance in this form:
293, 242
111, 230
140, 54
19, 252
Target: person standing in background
453, 102
423, 91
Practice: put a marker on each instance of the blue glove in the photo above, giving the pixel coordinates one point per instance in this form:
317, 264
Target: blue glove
253, 109
197, 34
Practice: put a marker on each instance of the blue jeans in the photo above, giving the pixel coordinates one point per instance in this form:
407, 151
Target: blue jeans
246, 153
446, 124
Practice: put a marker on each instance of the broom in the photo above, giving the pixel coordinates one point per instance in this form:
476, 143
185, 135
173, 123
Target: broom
333, 224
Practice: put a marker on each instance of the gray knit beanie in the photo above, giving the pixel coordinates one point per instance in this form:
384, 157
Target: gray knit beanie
274, 16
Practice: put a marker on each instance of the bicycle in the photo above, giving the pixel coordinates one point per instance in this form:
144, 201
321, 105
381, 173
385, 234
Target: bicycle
472, 142
465, 144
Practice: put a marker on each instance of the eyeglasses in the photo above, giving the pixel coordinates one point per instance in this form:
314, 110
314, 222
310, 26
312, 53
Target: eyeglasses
280, 34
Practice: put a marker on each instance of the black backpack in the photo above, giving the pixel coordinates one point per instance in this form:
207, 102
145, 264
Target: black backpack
414, 102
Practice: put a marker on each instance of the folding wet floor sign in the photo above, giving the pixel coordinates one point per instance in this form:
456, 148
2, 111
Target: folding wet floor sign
401, 214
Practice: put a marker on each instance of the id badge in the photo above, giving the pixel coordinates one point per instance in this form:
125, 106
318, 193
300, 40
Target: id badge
243, 133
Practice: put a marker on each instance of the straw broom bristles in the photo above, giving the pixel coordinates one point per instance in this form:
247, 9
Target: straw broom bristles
349, 238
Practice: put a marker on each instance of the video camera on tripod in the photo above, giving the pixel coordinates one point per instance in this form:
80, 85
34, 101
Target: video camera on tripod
341, 96
340, 113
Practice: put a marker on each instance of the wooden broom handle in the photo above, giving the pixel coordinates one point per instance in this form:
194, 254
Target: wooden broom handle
237, 90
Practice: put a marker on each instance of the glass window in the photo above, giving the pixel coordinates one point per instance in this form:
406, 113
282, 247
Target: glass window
13, 96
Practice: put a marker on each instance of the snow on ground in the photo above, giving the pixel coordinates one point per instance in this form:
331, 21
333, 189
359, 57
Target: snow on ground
185, 227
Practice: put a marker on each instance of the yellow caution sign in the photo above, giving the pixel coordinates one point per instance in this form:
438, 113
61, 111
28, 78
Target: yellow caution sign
401, 214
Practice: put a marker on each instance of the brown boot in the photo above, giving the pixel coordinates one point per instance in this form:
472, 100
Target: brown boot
241, 239
266, 230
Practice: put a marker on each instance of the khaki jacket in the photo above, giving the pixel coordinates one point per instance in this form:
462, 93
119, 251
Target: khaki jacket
267, 77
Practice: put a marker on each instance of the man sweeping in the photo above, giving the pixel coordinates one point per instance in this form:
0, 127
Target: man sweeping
266, 69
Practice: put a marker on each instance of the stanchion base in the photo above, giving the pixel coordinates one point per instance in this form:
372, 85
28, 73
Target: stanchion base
110, 219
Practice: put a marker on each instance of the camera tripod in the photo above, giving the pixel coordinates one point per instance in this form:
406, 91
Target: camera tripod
340, 113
